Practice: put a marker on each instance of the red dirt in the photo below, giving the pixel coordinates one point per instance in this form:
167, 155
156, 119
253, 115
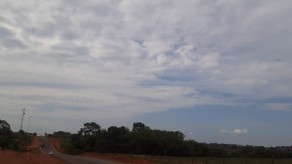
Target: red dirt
56, 145
33, 157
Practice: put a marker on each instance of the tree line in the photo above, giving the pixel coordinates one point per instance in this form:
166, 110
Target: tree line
143, 140
140, 140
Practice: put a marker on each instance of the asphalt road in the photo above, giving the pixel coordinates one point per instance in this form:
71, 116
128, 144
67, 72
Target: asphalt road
70, 159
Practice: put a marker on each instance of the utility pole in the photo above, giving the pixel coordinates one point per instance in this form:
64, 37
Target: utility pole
23, 113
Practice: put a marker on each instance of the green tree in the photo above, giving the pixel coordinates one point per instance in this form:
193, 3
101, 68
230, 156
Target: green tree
4, 128
91, 128
62, 134
116, 141
138, 126
179, 134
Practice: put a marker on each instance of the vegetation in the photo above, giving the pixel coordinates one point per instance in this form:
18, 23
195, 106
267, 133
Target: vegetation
143, 140
14, 141
213, 160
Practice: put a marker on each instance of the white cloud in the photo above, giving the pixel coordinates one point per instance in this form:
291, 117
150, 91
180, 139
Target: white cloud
109, 57
235, 131
208, 60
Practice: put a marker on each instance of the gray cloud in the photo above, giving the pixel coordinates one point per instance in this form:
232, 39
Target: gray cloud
13, 43
71, 49
4, 32
47, 30
135, 57
69, 35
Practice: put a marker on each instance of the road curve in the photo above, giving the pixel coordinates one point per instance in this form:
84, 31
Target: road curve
71, 159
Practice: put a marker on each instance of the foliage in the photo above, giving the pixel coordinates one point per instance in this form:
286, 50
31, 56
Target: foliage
143, 140
61, 134
139, 126
4, 128
10, 140
91, 128
6, 140
23, 140
65, 144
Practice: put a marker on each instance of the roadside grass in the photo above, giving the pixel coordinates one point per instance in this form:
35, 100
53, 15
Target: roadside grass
204, 160
24, 140
212, 160
65, 144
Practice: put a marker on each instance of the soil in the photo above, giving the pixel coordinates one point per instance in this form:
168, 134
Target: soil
56, 145
33, 156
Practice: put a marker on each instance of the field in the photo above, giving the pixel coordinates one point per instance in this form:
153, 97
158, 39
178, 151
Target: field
184, 160
215, 160
146, 159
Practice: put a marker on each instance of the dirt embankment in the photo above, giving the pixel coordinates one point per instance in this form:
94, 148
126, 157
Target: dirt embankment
33, 156
56, 145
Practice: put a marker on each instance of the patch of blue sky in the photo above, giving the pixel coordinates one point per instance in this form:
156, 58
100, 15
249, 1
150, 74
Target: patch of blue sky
140, 98
207, 120
260, 101
171, 54
179, 75
216, 93
55, 106
179, 43
140, 42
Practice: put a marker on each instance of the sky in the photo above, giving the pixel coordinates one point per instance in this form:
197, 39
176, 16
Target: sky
218, 70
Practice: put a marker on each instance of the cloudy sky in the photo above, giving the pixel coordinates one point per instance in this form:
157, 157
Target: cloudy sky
219, 71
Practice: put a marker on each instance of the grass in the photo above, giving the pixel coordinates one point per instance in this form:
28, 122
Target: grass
214, 160
24, 140
65, 144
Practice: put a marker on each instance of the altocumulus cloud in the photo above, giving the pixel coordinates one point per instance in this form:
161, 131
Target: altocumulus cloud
116, 59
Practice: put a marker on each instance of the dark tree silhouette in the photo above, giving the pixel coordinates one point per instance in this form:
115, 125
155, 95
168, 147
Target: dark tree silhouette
138, 126
91, 128
4, 128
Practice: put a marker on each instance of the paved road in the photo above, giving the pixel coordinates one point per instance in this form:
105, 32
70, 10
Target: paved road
70, 158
